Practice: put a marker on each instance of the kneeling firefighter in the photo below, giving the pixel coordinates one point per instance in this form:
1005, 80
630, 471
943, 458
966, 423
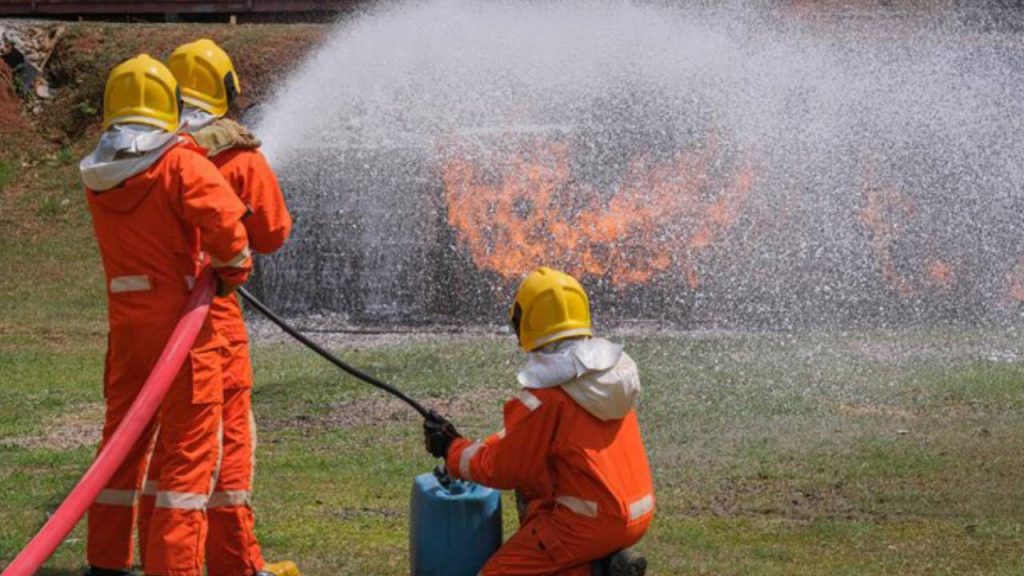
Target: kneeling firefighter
209, 85
571, 446
160, 209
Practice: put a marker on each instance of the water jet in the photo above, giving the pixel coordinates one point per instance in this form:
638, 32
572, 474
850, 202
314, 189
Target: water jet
727, 166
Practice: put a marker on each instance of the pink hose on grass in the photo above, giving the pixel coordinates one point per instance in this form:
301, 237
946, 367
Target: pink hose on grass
42, 546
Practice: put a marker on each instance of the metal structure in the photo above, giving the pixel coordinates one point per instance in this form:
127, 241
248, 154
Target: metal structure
62, 8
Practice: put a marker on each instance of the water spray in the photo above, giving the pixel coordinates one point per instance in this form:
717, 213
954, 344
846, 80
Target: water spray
733, 165
357, 373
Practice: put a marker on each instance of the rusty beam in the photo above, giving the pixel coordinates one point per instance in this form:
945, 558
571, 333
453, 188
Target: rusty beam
58, 7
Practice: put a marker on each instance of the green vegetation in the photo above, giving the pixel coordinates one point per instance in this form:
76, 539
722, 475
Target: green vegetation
6, 174
51, 289
772, 456
848, 453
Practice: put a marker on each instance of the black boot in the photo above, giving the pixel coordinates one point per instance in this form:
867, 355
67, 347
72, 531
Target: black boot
94, 571
623, 563
628, 563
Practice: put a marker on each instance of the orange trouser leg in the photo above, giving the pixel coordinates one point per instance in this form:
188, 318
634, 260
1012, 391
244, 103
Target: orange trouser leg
147, 501
232, 548
555, 542
112, 516
187, 454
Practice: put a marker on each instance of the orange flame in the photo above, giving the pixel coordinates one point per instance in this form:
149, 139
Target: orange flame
941, 274
1016, 290
885, 214
661, 215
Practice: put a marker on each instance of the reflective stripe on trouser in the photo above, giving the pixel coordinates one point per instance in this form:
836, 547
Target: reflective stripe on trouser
112, 516
231, 545
153, 497
232, 548
558, 541
184, 468
636, 509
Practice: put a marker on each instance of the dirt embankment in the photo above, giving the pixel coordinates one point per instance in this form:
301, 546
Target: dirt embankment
41, 140
35, 128
11, 119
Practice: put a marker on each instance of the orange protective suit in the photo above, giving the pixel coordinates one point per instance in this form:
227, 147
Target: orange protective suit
231, 546
572, 446
152, 231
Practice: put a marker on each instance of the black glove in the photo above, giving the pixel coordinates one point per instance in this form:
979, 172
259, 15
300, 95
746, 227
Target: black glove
439, 434
225, 288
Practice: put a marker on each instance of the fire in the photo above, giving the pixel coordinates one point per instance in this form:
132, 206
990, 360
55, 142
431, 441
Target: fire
940, 274
886, 214
1016, 290
536, 212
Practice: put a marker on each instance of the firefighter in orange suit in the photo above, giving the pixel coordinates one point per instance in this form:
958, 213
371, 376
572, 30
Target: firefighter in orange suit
571, 446
159, 209
209, 84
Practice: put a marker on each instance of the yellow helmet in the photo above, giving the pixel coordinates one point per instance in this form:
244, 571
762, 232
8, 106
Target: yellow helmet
207, 77
549, 306
141, 90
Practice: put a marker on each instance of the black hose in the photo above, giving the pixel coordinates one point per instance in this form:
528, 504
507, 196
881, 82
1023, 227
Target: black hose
331, 357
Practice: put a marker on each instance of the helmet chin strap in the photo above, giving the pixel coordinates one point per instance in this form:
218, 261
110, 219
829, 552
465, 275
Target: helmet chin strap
517, 320
230, 90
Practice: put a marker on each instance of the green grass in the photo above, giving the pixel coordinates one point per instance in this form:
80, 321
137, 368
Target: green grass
871, 452
863, 453
6, 174
839, 464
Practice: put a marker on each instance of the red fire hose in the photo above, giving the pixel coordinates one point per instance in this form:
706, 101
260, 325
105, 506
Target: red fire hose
145, 406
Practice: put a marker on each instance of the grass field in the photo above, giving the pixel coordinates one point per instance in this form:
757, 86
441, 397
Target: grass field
774, 454
830, 453
872, 453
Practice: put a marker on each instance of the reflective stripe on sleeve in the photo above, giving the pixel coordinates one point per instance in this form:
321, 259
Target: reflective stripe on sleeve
528, 400
229, 498
117, 497
120, 284
580, 506
234, 262
181, 500
464, 459
150, 488
641, 507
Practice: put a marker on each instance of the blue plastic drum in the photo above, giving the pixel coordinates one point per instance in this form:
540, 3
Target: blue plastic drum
453, 530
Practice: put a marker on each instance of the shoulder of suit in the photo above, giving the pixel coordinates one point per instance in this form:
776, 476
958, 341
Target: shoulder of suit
534, 398
180, 153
